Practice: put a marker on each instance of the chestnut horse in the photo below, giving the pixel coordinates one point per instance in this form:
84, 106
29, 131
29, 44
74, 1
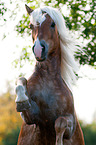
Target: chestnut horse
45, 99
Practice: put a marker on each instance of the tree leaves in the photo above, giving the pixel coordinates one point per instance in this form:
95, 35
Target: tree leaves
3, 9
81, 17
89, 131
23, 25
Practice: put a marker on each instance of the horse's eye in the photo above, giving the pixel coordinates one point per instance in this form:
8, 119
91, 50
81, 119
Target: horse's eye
52, 25
30, 26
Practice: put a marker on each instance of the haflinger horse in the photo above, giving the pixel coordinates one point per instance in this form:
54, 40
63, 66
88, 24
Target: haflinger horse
45, 100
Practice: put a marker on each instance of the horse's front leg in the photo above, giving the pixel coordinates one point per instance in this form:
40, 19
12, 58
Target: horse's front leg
30, 111
64, 127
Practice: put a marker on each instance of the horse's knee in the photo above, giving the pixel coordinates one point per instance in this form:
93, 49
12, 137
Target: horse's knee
60, 124
64, 128
60, 127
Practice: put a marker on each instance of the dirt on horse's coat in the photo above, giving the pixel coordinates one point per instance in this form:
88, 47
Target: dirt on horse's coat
45, 100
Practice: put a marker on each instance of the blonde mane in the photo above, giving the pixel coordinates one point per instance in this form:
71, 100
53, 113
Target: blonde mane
68, 64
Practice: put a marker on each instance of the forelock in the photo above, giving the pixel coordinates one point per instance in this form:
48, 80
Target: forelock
37, 16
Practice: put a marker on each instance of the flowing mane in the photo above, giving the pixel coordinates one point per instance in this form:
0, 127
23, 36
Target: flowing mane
68, 64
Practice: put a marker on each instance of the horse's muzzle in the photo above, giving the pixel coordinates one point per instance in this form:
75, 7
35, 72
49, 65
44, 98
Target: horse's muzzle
40, 49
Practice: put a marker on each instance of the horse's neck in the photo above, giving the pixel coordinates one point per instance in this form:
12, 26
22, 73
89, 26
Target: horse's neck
52, 65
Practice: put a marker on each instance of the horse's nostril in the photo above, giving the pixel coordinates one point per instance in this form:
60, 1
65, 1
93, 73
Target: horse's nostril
43, 48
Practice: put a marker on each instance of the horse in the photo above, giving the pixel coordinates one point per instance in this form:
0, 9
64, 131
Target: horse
45, 100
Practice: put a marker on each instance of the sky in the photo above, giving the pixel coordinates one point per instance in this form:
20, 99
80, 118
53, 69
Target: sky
85, 94
10, 48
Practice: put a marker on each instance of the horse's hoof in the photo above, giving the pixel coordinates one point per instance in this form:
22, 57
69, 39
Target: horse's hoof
22, 106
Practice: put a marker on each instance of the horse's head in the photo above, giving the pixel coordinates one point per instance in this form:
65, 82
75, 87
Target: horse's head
51, 38
44, 34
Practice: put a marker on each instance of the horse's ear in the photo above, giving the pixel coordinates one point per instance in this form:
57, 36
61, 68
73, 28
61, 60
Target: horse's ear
29, 10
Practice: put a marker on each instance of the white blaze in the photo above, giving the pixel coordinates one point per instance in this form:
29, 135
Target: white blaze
38, 48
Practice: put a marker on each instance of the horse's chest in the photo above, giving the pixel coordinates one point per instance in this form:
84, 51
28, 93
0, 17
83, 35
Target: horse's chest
45, 96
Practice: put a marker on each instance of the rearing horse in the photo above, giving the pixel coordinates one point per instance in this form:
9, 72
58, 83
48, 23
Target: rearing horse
45, 99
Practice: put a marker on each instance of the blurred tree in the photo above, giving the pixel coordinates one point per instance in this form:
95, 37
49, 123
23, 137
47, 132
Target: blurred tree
89, 131
10, 120
12, 137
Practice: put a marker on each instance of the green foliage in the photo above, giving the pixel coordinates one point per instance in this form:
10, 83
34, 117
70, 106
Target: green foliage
25, 56
12, 137
10, 120
3, 9
89, 133
81, 18
23, 25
